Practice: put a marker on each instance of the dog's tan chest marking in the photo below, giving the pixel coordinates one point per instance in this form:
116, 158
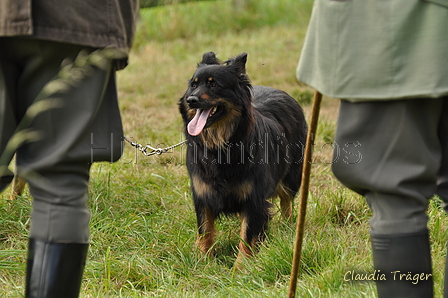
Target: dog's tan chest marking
244, 190
201, 188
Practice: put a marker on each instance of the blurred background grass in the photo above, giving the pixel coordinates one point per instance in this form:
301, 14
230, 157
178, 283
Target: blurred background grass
187, 20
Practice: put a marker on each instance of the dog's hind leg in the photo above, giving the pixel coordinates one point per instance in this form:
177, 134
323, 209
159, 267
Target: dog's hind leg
288, 188
286, 200
206, 230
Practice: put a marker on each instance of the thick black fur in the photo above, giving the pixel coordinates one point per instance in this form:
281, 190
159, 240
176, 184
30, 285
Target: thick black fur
250, 149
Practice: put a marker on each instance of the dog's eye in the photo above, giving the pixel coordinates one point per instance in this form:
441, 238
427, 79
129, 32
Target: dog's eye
213, 85
194, 83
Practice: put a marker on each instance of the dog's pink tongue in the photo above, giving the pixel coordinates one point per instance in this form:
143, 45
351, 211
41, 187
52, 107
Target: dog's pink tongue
196, 125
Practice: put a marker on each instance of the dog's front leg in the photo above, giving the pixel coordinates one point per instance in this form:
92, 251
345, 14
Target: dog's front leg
253, 227
206, 230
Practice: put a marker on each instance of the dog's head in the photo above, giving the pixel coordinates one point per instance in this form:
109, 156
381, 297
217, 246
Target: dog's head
218, 95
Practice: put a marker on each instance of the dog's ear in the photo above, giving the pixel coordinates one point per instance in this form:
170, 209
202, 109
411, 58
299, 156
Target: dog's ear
209, 58
239, 63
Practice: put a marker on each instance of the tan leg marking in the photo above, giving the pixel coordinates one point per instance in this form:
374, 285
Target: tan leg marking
206, 240
285, 201
245, 249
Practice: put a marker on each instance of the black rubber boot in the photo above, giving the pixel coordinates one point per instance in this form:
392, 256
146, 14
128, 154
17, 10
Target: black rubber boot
404, 261
54, 270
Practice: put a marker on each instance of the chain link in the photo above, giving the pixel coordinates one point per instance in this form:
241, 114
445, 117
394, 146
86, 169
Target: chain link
148, 150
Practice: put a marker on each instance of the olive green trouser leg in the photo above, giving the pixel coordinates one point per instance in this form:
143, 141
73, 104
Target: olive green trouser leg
390, 152
86, 128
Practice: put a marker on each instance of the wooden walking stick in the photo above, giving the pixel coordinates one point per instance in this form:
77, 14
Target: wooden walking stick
304, 187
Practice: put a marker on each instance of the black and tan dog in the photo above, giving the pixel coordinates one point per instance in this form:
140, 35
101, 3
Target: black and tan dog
245, 145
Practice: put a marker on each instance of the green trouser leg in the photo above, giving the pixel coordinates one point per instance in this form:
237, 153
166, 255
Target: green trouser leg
54, 270
406, 262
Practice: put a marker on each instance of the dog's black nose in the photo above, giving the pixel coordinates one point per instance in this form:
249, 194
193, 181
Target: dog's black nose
192, 99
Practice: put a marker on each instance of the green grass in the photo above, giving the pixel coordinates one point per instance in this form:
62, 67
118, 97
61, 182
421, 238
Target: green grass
143, 226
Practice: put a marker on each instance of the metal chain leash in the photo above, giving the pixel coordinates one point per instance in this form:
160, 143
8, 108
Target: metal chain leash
148, 150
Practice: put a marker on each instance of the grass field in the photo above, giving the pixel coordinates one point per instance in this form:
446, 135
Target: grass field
143, 226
